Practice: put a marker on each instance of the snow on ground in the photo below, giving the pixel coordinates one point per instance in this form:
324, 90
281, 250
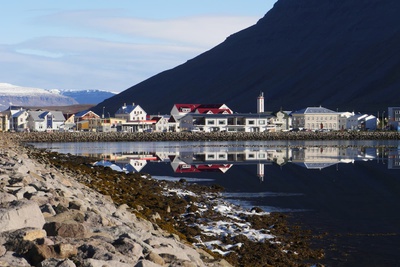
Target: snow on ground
10, 89
231, 225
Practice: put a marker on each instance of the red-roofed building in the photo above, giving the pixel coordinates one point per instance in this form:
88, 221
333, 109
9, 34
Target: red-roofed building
180, 110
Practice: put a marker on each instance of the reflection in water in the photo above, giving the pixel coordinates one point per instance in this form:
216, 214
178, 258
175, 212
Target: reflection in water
222, 160
348, 190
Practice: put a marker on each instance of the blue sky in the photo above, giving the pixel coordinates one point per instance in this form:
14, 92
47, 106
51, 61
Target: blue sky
111, 45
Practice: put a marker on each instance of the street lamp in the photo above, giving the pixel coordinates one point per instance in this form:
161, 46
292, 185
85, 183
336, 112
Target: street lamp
383, 113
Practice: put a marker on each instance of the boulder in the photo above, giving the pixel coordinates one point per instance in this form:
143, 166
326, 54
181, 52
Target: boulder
20, 214
70, 229
102, 263
6, 197
146, 263
10, 259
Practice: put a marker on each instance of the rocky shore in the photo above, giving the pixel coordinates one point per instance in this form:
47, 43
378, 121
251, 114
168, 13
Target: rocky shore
60, 210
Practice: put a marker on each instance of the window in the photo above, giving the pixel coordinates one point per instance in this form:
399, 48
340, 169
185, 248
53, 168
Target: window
210, 122
221, 122
261, 122
251, 122
251, 156
210, 156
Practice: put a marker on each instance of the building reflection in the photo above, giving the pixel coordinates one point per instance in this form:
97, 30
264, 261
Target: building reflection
222, 159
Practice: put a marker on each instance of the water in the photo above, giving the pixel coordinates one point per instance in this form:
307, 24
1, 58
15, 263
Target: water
348, 190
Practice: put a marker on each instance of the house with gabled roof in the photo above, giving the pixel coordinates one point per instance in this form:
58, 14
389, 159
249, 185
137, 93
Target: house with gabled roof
136, 119
41, 120
180, 110
131, 113
315, 118
18, 120
82, 119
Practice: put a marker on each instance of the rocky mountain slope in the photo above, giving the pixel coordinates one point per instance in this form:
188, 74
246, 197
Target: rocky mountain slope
339, 54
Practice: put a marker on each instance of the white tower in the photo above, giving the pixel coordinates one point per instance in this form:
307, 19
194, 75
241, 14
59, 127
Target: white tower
260, 103
260, 171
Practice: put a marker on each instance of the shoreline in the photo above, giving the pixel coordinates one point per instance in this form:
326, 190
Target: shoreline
180, 212
198, 136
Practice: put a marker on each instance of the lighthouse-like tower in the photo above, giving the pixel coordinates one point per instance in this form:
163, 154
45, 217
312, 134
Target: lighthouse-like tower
260, 103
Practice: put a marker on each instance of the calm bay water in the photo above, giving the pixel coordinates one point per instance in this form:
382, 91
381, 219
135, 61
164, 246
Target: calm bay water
348, 190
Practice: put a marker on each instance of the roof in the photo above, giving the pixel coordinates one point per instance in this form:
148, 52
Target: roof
19, 113
314, 110
83, 113
40, 115
126, 109
235, 115
204, 108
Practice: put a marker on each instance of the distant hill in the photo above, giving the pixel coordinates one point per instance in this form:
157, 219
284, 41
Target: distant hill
27, 96
343, 55
88, 96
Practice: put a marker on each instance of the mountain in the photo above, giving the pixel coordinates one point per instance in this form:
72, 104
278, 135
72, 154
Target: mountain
27, 96
343, 55
88, 96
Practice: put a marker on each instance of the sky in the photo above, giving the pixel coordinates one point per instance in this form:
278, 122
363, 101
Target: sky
112, 45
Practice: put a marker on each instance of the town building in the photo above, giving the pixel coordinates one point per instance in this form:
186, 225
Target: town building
18, 120
362, 122
135, 119
394, 118
83, 120
225, 122
315, 118
4, 122
40, 120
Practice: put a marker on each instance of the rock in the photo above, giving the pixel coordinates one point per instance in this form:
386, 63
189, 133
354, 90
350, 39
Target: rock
6, 197
57, 262
10, 259
154, 257
70, 229
127, 246
102, 263
25, 190
146, 263
2, 250
48, 210
20, 214
65, 250
30, 234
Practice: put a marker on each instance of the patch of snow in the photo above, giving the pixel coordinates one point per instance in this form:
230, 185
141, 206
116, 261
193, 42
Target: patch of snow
10, 89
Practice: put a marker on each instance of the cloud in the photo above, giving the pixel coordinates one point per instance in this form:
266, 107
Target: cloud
85, 63
200, 31
104, 50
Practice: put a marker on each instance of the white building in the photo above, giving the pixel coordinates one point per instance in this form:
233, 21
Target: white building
315, 118
361, 122
131, 113
225, 122
18, 120
394, 118
40, 121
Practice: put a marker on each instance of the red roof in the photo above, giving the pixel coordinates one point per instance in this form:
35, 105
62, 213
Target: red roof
204, 108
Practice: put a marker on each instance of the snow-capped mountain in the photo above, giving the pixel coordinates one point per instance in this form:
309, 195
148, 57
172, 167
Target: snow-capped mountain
28, 96
88, 96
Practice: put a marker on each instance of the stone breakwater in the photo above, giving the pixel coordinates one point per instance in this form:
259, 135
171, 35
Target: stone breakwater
217, 136
47, 218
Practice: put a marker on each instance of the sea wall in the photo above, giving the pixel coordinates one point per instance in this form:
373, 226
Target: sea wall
199, 136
